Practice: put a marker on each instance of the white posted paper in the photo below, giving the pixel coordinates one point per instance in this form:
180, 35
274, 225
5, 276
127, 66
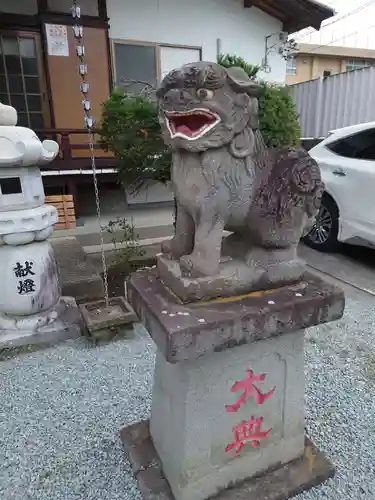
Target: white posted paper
57, 40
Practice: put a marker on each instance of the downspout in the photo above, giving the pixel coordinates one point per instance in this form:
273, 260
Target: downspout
218, 47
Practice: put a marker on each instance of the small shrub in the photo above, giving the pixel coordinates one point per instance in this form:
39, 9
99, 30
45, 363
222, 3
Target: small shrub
277, 113
230, 60
130, 129
277, 117
127, 246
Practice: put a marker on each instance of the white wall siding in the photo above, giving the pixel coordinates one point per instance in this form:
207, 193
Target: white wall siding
172, 57
198, 23
152, 192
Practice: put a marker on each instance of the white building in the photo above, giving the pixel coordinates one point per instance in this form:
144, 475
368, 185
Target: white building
151, 37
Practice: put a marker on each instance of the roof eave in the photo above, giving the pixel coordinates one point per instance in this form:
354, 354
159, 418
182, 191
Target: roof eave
306, 12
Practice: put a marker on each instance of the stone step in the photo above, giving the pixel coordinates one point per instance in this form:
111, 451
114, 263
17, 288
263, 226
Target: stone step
143, 233
79, 277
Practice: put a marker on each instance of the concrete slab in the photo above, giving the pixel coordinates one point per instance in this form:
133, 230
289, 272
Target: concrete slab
149, 223
79, 278
92, 239
279, 483
111, 247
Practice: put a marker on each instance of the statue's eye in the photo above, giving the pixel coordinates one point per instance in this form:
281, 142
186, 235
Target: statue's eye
204, 94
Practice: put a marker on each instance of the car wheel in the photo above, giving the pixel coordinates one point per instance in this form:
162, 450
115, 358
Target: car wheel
323, 234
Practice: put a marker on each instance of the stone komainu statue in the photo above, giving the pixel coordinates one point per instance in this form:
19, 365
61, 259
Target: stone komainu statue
224, 177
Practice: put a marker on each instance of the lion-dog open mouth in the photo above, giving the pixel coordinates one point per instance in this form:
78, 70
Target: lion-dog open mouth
191, 125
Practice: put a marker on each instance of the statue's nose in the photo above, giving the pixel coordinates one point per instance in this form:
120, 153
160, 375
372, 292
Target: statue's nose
177, 96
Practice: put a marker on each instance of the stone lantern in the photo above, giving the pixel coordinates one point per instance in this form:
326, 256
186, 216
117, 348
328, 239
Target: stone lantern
31, 307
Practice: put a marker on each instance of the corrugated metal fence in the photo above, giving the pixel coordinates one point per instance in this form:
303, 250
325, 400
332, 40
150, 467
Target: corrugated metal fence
336, 101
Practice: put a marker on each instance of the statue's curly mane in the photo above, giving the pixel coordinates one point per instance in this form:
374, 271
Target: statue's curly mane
191, 76
293, 179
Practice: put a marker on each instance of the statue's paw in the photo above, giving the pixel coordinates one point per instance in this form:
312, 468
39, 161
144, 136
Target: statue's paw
195, 266
172, 248
166, 246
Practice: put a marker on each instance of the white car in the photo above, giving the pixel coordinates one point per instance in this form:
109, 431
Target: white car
347, 214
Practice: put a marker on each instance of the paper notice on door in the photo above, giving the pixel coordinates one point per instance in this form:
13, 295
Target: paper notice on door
57, 40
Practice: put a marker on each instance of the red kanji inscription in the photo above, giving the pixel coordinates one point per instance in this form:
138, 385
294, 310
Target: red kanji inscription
249, 390
247, 432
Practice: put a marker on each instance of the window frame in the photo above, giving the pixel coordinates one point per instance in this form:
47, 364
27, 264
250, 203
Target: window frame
33, 12
294, 67
45, 108
157, 47
62, 13
352, 66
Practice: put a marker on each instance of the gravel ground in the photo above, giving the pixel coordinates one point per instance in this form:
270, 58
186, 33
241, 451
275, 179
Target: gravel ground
61, 410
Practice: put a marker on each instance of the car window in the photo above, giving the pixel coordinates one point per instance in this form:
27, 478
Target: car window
360, 146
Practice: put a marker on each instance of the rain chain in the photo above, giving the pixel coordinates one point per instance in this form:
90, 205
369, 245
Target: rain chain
89, 123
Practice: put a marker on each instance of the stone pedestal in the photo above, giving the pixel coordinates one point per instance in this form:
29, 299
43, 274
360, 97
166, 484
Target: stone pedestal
61, 322
240, 271
194, 414
228, 398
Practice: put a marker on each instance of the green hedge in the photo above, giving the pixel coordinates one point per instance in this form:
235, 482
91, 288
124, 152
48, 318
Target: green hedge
277, 113
130, 130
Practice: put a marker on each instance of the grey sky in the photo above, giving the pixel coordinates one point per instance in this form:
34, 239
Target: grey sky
355, 30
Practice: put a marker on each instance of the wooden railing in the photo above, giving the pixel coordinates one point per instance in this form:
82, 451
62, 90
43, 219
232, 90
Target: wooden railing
74, 150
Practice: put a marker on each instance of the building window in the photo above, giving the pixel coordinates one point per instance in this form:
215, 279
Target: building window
138, 64
135, 66
291, 66
353, 64
88, 7
25, 7
20, 82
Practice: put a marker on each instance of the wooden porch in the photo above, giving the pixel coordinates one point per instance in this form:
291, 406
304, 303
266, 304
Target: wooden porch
75, 152
69, 175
